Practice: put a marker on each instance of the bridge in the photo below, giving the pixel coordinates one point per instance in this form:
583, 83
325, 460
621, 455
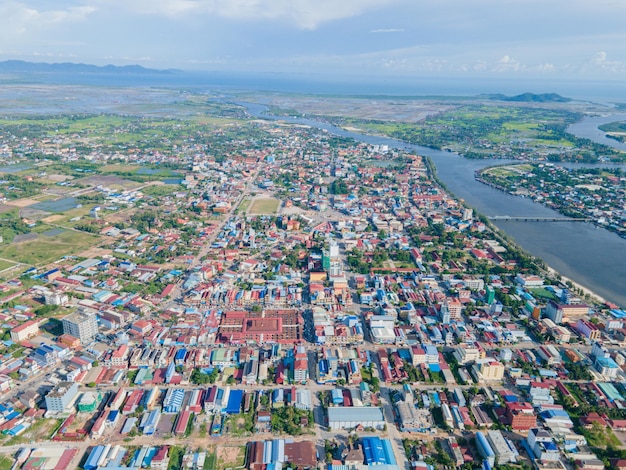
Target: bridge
540, 219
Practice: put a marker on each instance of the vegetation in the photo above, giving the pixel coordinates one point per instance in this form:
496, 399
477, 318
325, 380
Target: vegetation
494, 131
200, 378
288, 420
176, 457
578, 371
264, 206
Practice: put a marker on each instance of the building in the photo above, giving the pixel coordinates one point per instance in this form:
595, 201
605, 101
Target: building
89, 401
465, 354
24, 331
529, 280
56, 298
520, 416
607, 367
413, 420
455, 451
490, 370
563, 313
275, 454
268, 326
301, 365
81, 325
60, 397
588, 329
119, 357
349, 417
543, 446
484, 449
503, 449
377, 451
540, 393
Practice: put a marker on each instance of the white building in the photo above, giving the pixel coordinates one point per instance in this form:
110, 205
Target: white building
505, 451
349, 417
61, 396
81, 325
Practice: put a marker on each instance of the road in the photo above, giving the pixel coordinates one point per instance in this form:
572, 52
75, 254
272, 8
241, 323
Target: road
177, 292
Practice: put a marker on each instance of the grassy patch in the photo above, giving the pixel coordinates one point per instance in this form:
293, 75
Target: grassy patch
264, 206
230, 456
543, 294
243, 207
601, 437
160, 190
6, 463
240, 424
47, 249
5, 265
211, 461
176, 457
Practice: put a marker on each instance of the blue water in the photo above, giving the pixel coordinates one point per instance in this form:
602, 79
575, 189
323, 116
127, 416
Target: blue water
60, 205
601, 91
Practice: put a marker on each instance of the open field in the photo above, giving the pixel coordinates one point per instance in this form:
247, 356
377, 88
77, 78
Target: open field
47, 249
509, 170
264, 206
5, 265
24, 202
230, 456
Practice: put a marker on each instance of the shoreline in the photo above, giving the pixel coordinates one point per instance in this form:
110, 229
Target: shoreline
586, 291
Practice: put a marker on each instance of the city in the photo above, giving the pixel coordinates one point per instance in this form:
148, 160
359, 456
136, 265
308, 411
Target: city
264, 295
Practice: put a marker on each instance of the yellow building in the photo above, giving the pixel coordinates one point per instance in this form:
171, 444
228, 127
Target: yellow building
491, 371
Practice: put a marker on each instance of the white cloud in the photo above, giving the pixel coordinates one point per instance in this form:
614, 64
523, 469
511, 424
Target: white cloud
17, 18
305, 14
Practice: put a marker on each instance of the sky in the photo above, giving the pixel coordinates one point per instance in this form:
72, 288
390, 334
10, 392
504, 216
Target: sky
574, 39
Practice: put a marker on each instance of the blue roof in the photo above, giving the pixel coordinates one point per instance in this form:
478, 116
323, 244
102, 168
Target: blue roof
550, 446
607, 362
234, 402
618, 313
376, 452
484, 445
434, 367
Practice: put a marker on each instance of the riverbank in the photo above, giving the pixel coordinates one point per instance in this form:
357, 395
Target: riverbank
586, 292
582, 252
574, 193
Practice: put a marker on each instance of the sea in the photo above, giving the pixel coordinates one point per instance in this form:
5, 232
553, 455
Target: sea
605, 91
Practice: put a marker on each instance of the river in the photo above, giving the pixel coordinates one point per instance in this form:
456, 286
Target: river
590, 256
588, 128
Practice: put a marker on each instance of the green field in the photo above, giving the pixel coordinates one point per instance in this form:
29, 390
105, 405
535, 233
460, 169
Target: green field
509, 170
44, 250
264, 206
5, 265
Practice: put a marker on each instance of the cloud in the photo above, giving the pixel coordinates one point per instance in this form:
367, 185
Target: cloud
17, 18
390, 30
305, 14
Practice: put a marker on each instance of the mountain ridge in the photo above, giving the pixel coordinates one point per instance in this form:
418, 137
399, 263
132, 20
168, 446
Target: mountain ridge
21, 66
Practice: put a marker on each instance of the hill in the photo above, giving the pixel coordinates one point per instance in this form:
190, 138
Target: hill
20, 66
530, 98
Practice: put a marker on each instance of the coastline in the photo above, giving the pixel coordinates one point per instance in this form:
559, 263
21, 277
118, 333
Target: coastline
586, 291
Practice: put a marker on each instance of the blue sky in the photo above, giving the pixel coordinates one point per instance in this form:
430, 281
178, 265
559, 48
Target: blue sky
402, 38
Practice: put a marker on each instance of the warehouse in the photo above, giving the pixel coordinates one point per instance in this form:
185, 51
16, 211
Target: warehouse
484, 448
343, 417
505, 451
150, 421
377, 451
234, 402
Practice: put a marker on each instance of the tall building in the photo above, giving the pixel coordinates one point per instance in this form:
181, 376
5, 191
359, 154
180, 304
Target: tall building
81, 325
59, 398
490, 370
